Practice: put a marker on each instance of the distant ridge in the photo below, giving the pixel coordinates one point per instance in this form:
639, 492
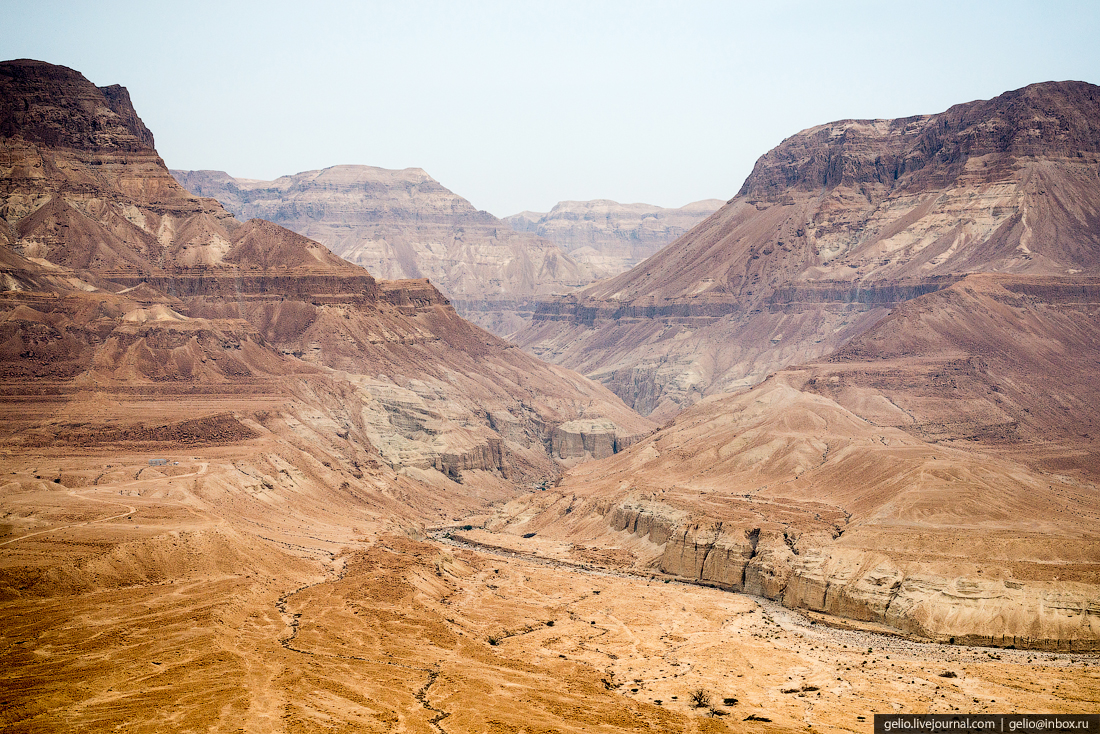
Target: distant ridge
608, 237
404, 224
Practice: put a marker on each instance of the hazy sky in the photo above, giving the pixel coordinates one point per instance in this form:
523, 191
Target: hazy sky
519, 105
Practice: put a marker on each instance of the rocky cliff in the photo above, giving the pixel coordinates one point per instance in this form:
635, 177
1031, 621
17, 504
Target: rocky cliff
834, 227
608, 237
404, 224
937, 475
120, 282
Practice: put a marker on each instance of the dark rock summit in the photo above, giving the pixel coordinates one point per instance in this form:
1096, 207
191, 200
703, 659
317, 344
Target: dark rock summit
58, 107
1053, 119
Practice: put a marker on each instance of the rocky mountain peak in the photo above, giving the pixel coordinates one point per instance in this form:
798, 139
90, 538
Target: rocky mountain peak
834, 227
1050, 119
57, 106
118, 97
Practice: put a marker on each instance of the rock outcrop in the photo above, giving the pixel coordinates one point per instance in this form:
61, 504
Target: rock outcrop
119, 281
585, 439
833, 228
936, 475
608, 237
404, 224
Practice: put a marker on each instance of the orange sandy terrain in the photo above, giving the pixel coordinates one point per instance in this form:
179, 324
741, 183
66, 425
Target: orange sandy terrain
163, 600
373, 516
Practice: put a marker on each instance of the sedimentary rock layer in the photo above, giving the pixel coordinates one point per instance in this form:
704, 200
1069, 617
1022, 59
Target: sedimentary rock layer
833, 227
404, 224
119, 279
936, 475
608, 237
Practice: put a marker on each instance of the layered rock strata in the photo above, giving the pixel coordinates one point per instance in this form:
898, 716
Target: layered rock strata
608, 237
404, 224
119, 280
936, 476
834, 227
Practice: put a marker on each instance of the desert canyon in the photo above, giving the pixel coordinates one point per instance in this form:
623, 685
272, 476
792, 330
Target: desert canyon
829, 453
404, 224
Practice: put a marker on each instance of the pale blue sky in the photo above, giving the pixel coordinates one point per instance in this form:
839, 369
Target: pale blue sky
519, 105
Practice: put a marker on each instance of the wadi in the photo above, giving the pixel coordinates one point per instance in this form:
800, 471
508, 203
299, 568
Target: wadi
830, 452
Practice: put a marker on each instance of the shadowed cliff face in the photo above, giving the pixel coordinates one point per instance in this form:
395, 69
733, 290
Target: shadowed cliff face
57, 107
835, 226
1050, 120
404, 224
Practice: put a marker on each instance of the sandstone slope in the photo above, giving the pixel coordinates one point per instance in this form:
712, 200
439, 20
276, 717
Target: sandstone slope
404, 224
835, 226
94, 204
266, 574
938, 475
608, 237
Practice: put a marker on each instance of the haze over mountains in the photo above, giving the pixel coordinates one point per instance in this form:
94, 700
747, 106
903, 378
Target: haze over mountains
248, 486
404, 224
834, 227
609, 237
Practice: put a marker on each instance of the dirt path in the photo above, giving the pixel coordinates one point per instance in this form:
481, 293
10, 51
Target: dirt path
130, 509
291, 619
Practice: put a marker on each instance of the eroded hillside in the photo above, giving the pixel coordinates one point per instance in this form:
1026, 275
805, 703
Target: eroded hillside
937, 475
834, 227
404, 224
223, 450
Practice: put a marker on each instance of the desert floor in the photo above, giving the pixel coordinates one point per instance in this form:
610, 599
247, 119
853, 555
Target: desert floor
151, 600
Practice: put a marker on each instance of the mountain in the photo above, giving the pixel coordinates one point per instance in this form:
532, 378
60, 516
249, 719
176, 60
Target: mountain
937, 476
608, 237
200, 414
151, 290
223, 451
833, 228
404, 224
912, 305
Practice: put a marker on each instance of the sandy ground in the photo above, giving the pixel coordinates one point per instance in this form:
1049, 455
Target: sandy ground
143, 605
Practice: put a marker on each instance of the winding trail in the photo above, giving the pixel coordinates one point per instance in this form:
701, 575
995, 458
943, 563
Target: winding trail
130, 509
422, 697
292, 621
